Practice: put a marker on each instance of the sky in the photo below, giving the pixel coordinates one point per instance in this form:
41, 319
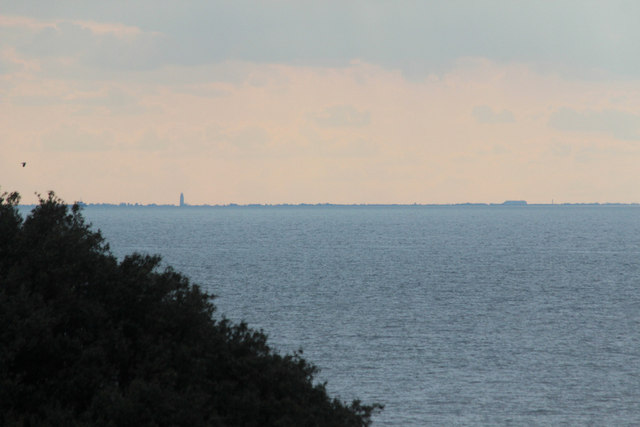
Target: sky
296, 101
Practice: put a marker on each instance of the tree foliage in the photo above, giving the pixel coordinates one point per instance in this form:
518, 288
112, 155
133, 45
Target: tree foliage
88, 340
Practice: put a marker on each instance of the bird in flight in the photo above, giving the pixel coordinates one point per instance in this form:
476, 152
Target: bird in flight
23, 164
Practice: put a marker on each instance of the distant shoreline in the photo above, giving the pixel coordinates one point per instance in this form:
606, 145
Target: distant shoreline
355, 205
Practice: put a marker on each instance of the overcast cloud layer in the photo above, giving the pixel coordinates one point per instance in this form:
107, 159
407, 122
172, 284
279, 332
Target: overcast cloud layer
338, 101
418, 37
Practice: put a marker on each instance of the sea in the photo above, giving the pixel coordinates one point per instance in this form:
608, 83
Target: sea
446, 315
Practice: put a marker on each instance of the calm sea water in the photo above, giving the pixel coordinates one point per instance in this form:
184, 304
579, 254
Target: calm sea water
446, 315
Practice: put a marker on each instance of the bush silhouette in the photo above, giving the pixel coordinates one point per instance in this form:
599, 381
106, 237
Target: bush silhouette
88, 340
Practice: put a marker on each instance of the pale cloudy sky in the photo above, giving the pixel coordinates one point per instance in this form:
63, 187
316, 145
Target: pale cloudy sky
280, 101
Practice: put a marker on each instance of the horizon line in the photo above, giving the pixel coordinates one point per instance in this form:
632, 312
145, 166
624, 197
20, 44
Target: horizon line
508, 203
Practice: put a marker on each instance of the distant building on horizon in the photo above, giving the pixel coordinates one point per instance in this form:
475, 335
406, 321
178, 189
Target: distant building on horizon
181, 199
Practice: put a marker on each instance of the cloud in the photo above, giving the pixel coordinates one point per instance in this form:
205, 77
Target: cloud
485, 114
250, 138
72, 139
104, 45
244, 141
203, 90
26, 22
560, 149
113, 98
7, 66
150, 141
416, 36
320, 144
619, 124
11, 62
341, 116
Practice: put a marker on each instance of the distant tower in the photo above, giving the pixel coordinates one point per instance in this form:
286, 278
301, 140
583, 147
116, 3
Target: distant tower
181, 199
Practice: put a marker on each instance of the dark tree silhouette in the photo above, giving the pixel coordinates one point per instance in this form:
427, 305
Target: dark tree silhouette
88, 340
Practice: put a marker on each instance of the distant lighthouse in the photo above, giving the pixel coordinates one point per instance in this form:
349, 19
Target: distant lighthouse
181, 199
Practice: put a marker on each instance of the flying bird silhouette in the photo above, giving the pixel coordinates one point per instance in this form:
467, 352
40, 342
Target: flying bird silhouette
24, 164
